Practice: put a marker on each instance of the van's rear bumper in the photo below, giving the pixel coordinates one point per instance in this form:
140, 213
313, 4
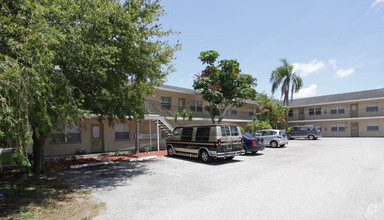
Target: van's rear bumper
229, 154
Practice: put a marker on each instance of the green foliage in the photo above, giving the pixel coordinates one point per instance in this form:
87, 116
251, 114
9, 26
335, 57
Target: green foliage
271, 112
257, 125
147, 149
223, 86
60, 59
117, 152
185, 114
291, 82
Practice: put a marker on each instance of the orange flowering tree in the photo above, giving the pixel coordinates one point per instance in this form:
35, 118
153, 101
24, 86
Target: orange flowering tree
223, 86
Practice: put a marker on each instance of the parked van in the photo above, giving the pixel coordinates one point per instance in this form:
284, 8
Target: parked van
206, 141
305, 131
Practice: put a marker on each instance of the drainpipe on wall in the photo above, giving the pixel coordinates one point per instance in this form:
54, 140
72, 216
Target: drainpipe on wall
158, 135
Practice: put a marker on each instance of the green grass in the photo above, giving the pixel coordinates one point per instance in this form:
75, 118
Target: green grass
46, 197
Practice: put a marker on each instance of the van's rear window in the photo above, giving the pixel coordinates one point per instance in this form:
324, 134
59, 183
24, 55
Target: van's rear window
225, 131
234, 131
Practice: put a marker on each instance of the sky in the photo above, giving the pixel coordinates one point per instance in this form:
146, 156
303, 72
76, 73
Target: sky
335, 46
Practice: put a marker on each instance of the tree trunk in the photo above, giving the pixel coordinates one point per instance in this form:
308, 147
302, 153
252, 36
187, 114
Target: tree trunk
211, 113
38, 151
137, 142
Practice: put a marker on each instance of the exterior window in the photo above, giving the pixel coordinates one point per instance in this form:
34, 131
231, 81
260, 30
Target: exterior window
176, 132
234, 131
67, 134
337, 109
250, 111
186, 135
373, 126
196, 106
166, 102
234, 111
372, 106
202, 134
315, 111
338, 127
122, 132
290, 113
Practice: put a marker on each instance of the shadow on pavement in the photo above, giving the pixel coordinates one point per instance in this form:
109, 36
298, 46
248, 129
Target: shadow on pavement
106, 176
214, 162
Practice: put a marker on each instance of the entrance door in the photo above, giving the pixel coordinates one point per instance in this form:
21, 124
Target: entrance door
181, 104
301, 114
354, 110
97, 140
354, 129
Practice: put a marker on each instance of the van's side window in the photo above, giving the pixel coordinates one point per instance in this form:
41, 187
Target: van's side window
202, 134
176, 132
234, 131
225, 131
186, 135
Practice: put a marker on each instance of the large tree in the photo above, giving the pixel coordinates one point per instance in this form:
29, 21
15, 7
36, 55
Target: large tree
60, 59
290, 82
223, 85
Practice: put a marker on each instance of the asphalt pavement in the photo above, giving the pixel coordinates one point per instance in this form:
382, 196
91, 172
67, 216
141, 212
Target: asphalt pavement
329, 178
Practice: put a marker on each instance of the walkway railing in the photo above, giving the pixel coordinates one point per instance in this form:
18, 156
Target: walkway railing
346, 114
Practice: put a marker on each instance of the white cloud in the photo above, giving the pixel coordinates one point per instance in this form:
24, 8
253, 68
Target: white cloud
333, 63
304, 69
377, 3
306, 92
344, 73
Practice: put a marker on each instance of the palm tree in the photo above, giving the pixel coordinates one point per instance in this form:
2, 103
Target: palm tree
292, 83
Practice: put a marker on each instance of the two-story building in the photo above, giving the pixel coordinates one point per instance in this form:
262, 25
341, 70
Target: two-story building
351, 114
94, 136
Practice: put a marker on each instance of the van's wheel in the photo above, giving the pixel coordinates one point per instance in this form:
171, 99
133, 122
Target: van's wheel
205, 156
274, 144
170, 151
311, 137
289, 137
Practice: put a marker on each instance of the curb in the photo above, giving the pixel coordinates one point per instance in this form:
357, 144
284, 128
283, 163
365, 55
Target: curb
141, 158
87, 165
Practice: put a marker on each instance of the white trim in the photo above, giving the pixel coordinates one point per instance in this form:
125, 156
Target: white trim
338, 119
330, 103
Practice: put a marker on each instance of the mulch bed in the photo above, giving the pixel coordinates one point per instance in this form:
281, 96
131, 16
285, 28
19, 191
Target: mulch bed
125, 157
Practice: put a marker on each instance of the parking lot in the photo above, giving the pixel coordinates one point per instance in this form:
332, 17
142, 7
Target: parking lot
329, 178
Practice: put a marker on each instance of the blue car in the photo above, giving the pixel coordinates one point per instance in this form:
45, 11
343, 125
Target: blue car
252, 144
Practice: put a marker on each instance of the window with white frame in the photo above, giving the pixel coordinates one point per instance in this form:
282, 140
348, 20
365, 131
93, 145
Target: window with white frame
372, 107
290, 113
250, 111
337, 109
121, 131
196, 106
373, 126
166, 102
315, 111
234, 111
338, 127
67, 134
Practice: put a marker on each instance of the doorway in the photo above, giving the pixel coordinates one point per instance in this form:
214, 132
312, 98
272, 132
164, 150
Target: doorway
181, 104
354, 110
354, 129
97, 138
301, 114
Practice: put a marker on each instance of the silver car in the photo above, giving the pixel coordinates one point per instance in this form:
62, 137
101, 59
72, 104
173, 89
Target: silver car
273, 138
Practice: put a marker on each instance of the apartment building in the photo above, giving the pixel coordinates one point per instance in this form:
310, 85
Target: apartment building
354, 114
157, 125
